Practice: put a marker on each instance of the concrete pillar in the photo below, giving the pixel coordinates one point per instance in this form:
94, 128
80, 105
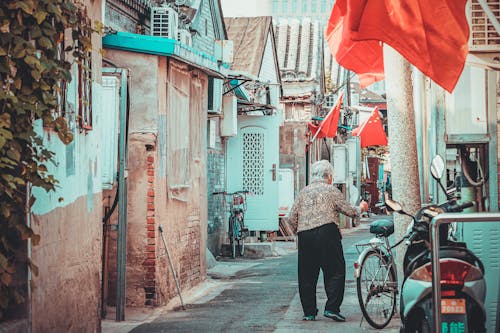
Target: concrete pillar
402, 142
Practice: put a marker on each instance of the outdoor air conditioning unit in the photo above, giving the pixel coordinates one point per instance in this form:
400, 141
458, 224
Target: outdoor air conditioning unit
484, 37
223, 50
184, 36
164, 22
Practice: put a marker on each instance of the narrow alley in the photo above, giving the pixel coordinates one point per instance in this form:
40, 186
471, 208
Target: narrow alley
259, 295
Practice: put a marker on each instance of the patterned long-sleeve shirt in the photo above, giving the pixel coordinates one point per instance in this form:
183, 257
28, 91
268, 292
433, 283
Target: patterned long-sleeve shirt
318, 204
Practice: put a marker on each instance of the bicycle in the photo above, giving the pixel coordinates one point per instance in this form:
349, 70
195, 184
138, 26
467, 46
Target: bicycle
376, 278
237, 230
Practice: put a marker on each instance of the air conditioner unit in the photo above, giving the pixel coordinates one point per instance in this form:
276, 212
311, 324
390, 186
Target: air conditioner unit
184, 36
484, 37
164, 22
223, 51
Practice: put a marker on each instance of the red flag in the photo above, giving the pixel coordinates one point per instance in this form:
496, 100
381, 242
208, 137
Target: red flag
328, 126
371, 131
362, 57
432, 35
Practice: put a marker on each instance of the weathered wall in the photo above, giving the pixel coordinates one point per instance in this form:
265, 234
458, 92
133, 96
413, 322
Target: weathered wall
66, 291
167, 177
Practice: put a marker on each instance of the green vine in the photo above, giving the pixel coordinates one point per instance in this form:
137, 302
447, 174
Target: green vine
39, 41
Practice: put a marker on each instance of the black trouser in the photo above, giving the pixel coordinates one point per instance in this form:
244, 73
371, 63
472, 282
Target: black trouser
321, 248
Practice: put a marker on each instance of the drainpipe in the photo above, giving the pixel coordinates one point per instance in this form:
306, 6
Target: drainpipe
121, 262
122, 203
28, 224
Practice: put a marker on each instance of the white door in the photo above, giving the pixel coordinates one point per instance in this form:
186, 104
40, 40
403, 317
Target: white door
252, 164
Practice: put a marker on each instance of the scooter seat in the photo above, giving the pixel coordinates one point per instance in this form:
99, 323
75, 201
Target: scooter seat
382, 227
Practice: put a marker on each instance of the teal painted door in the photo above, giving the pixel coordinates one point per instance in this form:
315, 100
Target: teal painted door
252, 164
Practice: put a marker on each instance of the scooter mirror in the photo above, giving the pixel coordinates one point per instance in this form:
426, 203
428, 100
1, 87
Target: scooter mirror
394, 205
437, 167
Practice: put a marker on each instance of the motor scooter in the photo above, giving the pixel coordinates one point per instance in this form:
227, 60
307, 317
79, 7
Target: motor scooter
463, 287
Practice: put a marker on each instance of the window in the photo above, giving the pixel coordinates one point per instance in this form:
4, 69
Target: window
324, 6
304, 7
295, 6
275, 6
314, 6
284, 7
178, 119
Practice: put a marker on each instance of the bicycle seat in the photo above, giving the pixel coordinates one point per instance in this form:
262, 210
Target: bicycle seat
382, 227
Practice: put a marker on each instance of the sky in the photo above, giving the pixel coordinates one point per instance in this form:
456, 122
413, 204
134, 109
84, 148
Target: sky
246, 8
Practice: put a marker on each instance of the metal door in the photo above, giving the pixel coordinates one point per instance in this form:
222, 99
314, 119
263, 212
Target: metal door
252, 163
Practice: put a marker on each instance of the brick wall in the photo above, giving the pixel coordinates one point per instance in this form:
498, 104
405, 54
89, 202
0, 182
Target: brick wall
216, 214
150, 246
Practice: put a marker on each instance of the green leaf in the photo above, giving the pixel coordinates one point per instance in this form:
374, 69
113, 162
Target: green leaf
40, 16
45, 43
32, 61
36, 75
35, 240
33, 267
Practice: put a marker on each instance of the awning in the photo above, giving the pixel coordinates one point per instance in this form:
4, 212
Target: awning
162, 46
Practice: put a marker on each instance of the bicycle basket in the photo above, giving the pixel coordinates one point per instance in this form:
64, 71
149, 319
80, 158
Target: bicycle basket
382, 227
238, 199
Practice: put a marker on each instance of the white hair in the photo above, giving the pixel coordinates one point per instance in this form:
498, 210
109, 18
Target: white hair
321, 170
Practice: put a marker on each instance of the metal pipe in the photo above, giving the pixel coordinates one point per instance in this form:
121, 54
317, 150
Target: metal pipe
122, 194
122, 208
172, 267
436, 268
29, 245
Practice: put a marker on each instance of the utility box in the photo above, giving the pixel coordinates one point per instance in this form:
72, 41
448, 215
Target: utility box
340, 163
229, 123
285, 191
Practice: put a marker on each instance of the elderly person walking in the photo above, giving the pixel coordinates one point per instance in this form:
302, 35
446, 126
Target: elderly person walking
315, 217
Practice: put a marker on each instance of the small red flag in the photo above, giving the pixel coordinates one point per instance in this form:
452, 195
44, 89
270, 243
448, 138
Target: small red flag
371, 131
328, 126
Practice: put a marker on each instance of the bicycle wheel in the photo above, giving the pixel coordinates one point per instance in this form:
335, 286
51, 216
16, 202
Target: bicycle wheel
232, 236
241, 236
377, 289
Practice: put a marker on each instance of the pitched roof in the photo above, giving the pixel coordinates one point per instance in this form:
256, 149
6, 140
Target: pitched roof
249, 36
300, 49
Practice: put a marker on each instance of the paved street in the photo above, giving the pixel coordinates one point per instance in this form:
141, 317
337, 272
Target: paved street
260, 295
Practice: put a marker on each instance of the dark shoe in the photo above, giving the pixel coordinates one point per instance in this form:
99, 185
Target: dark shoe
309, 318
335, 316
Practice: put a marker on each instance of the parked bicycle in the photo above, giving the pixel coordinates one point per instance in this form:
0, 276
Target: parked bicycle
237, 231
462, 273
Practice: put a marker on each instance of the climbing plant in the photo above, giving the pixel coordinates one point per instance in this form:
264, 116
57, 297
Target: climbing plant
39, 42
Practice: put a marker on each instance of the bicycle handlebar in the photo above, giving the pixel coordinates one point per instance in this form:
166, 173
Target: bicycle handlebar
232, 193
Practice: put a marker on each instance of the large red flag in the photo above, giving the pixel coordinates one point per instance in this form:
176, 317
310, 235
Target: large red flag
328, 126
371, 131
362, 57
432, 35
